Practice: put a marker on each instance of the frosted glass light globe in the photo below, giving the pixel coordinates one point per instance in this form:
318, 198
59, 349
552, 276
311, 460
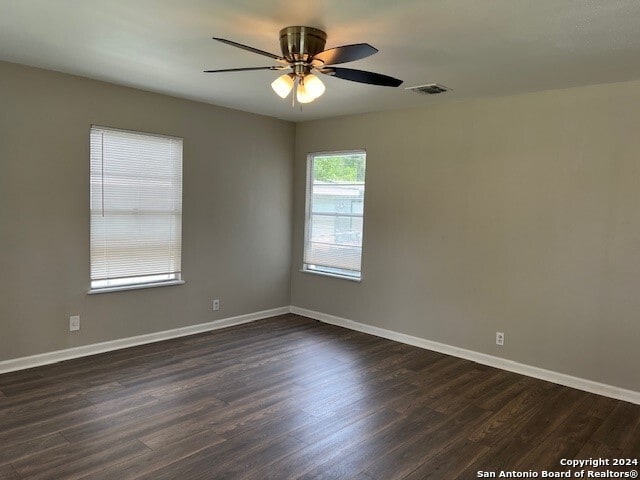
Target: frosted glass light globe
282, 85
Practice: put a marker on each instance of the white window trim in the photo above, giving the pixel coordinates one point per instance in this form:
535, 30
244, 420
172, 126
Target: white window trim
140, 286
332, 275
307, 215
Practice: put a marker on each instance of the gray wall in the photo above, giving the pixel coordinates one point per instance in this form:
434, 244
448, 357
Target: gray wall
518, 214
236, 203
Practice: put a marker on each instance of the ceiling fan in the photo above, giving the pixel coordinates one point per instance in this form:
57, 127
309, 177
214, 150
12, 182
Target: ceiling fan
303, 53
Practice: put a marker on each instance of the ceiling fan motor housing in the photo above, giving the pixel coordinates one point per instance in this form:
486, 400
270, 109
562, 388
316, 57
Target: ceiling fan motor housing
299, 44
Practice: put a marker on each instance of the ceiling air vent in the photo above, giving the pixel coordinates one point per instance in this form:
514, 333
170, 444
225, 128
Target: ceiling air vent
431, 89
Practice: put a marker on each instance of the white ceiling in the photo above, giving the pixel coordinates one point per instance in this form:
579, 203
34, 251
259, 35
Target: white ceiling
479, 48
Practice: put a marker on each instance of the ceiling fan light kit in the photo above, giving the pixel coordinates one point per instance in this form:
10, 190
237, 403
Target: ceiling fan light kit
309, 87
303, 52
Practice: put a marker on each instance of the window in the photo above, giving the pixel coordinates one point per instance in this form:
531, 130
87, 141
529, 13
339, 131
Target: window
334, 213
136, 209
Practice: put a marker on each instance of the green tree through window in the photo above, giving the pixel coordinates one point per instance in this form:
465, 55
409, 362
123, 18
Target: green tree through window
349, 168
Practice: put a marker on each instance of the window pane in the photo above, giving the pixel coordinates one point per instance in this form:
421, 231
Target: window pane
336, 229
347, 167
136, 207
335, 211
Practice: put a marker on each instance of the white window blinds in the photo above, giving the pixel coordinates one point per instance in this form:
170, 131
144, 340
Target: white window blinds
136, 208
334, 213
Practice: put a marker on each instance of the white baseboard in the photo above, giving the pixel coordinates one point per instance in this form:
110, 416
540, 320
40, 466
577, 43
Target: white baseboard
86, 350
484, 359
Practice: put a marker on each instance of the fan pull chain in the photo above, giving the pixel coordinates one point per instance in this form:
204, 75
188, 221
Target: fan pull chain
296, 81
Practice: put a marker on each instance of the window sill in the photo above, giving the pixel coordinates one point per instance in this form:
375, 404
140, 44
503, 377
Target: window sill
333, 275
134, 287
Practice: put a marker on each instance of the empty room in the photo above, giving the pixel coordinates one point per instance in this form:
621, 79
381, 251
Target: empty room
320, 240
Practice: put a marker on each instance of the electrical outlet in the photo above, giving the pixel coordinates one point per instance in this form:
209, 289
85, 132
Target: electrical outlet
499, 338
74, 323
216, 304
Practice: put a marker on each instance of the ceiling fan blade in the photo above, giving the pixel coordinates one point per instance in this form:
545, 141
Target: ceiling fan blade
361, 76
250, 49
246, 69
345, 53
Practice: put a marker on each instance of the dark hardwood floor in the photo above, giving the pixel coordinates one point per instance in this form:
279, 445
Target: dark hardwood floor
289, 397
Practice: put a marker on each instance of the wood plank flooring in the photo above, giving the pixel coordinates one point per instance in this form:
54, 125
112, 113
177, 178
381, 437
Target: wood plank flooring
289, 397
